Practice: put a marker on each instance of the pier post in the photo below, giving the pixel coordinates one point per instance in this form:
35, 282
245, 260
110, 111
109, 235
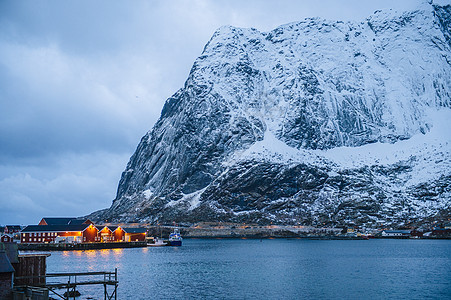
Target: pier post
115, 284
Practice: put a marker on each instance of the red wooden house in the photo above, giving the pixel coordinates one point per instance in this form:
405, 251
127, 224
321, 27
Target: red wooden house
106, 233
72, 230
135, 234
55, 233
6, 238
111, 233
11, 229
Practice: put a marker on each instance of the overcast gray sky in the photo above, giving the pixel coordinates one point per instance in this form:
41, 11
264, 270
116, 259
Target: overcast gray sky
82, 81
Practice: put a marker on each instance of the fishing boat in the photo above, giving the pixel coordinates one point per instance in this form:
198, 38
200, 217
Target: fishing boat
156, 242
175, 239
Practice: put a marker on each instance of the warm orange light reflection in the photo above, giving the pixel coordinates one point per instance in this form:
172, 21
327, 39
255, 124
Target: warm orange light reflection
118, 252
91, 253
104, 252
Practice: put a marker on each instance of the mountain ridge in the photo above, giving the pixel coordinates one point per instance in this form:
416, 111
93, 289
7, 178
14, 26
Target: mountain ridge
315, 88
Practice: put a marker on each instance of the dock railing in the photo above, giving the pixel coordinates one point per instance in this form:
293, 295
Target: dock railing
70, 282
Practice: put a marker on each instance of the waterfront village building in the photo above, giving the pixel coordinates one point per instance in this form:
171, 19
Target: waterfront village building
396, 233
72, 230
6, 238
11, 229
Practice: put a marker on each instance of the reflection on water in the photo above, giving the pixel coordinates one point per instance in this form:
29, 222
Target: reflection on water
104, 252
89, 253
271, 269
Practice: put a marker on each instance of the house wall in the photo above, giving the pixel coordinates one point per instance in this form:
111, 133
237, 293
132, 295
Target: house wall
31, 265
119, 235
11, 229
70, 233
37, 237
46, 237
132, 237
90, 235
6, 285
6, 239
106, 235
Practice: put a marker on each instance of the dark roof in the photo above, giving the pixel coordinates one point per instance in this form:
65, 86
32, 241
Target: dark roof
78, 221
13, 226
100, 227
5, 264
110, 227
135, 230
113, 228
57, 221
12, 250
53, 228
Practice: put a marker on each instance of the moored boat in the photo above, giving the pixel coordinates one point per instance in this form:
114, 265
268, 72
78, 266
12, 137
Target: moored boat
156, 242
175, 239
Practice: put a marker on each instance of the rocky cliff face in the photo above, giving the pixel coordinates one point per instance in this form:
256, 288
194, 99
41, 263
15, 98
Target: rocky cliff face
314, 122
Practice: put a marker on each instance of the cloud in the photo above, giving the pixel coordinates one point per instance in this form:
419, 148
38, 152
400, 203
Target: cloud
73, 185
52, 102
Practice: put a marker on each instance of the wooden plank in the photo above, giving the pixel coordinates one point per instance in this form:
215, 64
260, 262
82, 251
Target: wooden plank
78, 274
74, 284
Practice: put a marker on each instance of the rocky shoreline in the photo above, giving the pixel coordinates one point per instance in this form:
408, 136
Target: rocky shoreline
252, 231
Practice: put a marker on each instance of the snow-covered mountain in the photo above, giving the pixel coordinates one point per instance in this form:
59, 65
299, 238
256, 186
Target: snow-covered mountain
314, 122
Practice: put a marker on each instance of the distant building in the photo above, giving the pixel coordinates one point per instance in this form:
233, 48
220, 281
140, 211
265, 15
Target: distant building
64, 221
395, 233
59, 233
72, 230
416, 233
441, 233
135, 234
121, 234
107, 233
6, 238
12, 229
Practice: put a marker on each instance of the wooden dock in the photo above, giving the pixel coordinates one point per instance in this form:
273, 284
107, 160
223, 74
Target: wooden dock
79, 246
65, 284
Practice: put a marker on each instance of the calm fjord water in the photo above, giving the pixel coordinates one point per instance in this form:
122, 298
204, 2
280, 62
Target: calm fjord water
271, 269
